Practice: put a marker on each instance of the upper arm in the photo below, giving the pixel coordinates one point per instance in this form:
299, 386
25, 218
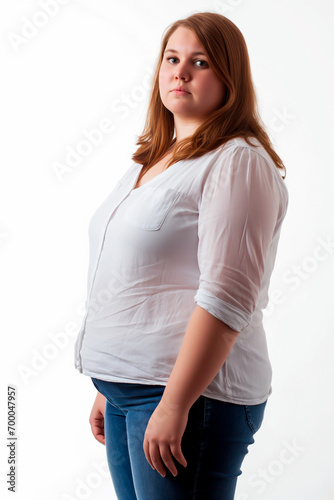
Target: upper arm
237, 218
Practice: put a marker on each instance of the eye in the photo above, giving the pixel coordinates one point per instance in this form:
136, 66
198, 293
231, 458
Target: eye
200, 60
169, 58
196, 60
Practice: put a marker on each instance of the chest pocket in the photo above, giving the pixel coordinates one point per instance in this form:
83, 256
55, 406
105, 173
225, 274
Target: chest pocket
150, 206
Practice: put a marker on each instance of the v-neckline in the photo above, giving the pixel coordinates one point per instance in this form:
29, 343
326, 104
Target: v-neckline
150, 180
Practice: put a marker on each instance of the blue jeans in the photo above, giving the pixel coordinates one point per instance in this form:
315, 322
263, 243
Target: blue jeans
214, 443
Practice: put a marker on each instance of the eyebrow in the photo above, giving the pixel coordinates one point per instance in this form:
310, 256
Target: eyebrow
193, 54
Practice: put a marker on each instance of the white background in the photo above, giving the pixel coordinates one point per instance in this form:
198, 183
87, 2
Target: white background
93, 61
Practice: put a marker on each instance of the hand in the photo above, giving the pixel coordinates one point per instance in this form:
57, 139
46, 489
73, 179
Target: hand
163, 436
96, 418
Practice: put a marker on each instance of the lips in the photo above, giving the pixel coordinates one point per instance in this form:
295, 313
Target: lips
180, 89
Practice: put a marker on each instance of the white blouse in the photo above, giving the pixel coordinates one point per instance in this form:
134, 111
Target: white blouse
203, 232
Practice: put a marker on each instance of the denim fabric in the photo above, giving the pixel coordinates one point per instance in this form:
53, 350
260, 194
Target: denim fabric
214, 444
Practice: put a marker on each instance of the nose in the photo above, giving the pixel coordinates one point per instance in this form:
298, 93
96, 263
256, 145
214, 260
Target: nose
181, 76
181, 72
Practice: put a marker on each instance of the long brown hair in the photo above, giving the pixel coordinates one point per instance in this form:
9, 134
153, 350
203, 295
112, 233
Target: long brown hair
239, 116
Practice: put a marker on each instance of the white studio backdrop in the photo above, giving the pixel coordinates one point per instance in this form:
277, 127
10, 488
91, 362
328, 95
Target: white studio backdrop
71, 67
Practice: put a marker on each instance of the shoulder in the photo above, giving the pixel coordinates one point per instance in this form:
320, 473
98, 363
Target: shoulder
238, 147
237, 162
237, 152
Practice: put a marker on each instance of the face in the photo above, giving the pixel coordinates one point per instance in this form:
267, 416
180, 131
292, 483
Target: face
182, 68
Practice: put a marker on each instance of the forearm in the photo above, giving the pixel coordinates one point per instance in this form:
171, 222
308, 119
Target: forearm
205, 347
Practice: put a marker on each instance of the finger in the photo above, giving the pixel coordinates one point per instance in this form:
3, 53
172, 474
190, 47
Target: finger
167, 458
156, 458
97, 427
100, 437
147, 452
98, 433
177, 452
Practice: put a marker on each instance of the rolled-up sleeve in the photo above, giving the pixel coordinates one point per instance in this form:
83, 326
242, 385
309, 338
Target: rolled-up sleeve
238, 213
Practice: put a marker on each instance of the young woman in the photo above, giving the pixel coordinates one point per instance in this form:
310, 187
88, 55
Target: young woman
181, 254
